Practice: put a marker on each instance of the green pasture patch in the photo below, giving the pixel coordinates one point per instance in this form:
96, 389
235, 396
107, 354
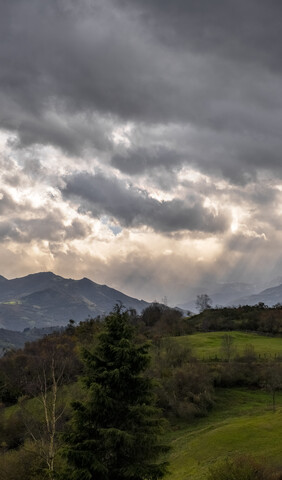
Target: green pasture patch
242, 423
207, 346
241, 401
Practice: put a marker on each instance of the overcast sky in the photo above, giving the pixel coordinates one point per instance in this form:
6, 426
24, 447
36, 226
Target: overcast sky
141, 142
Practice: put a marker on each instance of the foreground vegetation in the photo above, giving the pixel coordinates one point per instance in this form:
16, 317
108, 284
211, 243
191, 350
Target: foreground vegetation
219, 391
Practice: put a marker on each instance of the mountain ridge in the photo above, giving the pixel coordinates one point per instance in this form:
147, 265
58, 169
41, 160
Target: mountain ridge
270, 296
44, 299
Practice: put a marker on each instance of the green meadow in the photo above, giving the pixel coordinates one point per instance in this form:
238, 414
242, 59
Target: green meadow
241, 423
207, 345
242, 420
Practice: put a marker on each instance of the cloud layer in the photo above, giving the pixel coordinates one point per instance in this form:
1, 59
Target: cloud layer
140, 141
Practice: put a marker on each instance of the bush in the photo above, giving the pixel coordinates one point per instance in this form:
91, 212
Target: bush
236, 374
22, 464
242, 467
12, 431
186, 392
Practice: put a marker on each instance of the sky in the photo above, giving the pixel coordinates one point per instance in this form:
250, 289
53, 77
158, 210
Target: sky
140, 142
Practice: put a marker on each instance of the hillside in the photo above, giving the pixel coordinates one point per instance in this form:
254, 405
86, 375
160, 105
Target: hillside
12, 340
241, 423
257, 318
44, 299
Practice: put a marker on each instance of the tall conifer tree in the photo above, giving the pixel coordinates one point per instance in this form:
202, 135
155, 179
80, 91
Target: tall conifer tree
114, 434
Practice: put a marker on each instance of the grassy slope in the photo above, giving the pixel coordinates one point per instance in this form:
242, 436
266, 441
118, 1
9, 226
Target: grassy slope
208, 345
242, 422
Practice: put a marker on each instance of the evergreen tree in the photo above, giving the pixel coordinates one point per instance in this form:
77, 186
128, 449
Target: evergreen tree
114, 434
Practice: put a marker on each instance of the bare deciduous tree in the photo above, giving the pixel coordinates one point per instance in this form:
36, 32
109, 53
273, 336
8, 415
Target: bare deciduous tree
50, 372
203, 302
227, 347
272, 380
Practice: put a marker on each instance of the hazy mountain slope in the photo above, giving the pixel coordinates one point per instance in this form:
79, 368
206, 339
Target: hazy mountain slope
10, 339
100, 295
18, 287
270, 297
45, 299
220, 294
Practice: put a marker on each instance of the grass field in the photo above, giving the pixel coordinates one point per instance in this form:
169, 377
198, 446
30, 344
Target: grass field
206, 346
241, 422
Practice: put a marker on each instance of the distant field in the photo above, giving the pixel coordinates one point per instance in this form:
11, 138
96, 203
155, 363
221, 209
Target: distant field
242, 422
208, 345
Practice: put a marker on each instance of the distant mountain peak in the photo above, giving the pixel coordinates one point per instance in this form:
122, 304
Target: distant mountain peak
43, 275
86, 281
44, 299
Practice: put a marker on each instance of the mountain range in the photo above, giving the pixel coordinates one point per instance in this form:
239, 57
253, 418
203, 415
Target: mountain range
234, 294
45, 299
269, 296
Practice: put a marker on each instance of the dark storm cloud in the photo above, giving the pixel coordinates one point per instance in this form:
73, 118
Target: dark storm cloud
140, 160
48, 227
79, 55
238, 156
134, 207
261, 195
247, 30
73, 134
71, 71
77, 229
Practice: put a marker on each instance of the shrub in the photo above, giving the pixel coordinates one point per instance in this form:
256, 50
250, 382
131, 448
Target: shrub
242, 467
